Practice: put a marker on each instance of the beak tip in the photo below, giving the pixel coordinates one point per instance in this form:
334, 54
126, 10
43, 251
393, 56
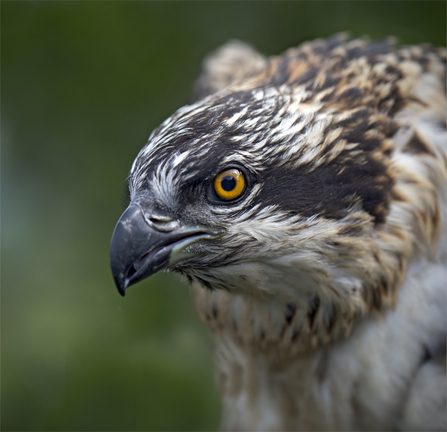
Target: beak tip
121, 288
121, 285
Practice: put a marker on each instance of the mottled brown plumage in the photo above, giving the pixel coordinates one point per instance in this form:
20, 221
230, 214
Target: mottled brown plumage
324, 283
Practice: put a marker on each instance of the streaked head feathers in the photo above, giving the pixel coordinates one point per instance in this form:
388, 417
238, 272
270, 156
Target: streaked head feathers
336, 174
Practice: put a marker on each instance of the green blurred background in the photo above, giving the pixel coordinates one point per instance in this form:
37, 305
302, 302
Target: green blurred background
83, 85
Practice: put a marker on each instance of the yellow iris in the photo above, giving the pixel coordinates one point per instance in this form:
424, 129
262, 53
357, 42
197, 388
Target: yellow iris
229, 184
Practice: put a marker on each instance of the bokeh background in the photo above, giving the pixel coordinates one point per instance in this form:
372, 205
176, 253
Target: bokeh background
83, 84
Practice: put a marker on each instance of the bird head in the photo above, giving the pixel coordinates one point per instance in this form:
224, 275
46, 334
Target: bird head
259, 191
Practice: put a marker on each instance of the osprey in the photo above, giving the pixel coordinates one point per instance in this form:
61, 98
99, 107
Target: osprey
303, 198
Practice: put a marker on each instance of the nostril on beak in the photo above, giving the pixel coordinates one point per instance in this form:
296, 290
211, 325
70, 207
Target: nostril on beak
158, 219
162, 222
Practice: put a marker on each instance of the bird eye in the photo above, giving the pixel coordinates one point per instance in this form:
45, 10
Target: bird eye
229, 184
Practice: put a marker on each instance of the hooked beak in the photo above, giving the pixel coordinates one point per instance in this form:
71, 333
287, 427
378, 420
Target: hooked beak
141, 248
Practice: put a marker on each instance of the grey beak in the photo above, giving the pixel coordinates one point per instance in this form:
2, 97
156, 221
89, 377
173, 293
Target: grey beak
140, 248
132, 239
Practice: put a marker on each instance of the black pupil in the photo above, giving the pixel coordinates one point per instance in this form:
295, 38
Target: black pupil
228, 183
